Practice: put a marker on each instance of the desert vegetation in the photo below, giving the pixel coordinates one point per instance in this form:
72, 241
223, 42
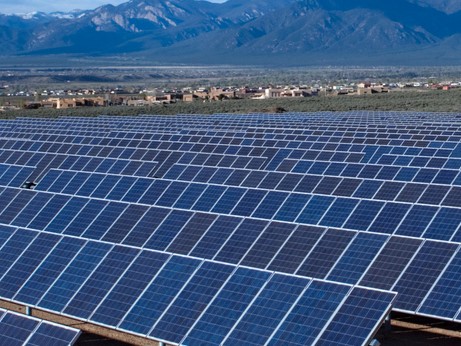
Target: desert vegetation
424, 101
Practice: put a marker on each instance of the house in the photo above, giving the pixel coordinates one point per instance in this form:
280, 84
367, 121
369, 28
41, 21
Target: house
372, 90
137, 103
189, 97
219, 93
273, 93
65, 103
165, 98
61, 103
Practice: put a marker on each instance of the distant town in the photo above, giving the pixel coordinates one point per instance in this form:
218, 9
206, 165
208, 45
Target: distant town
135, 96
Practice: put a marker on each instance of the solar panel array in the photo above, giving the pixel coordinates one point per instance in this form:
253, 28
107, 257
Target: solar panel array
22, 330
234, 228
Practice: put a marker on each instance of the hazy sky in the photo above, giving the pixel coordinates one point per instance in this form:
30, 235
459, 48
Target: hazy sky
26, 6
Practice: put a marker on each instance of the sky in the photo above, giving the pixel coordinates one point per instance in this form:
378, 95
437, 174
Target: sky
27, 6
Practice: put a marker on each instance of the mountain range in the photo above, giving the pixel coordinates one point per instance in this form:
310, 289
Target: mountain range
292, 32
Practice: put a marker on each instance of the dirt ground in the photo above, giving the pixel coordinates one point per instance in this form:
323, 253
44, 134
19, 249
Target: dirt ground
418, 331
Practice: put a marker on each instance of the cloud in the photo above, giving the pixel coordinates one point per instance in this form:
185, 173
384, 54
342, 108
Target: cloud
26, 6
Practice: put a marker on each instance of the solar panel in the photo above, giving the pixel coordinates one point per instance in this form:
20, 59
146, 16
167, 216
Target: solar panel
349, 197
17, 329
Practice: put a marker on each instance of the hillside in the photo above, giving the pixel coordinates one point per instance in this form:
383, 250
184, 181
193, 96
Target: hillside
241, 32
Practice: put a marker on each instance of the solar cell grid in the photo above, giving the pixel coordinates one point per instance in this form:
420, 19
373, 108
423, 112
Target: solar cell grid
444, 298
261, 243
16, 329
315, 306
219, 315
325, 254
340, 331
421, 274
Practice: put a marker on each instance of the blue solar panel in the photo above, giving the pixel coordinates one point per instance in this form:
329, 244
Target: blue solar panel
106, 185
48, 271
411, 192
425, 175
159, 294
338, 212
5, 233
15, 205
170, 196
190, 195
102, 222
391, 261
236, 178
297, 247
154, 191
215, 237
144, 228
421, 274
222, 176
444, 298
13, 248
248, 202
267, 245
452, 199
117, 231
121, 188
356, 259
237, 245
16, 329
137, 190
389, 218
267, 311
291, 207
444, 224
347, 187
360, 311
205, 174
325, 254
269, 205
130, 286
48, 212
168, 230
191, 302
445, 177
389, 190
100, 282
48, 180
368, 189
363, 215
289, 183
84, 218
32, 209
220, 316
332, 144
310, 314
315, 209
308, 183
52, 335
209, 198
228, 200
416, 221
75, 274
82, 185
191, 233
271, 180
327, 185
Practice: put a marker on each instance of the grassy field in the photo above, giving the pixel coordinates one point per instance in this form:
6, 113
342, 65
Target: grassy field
424, 101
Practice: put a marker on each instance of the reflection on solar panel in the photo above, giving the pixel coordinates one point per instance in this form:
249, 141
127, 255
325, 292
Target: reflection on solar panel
221, 229
155, 294
16, 329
